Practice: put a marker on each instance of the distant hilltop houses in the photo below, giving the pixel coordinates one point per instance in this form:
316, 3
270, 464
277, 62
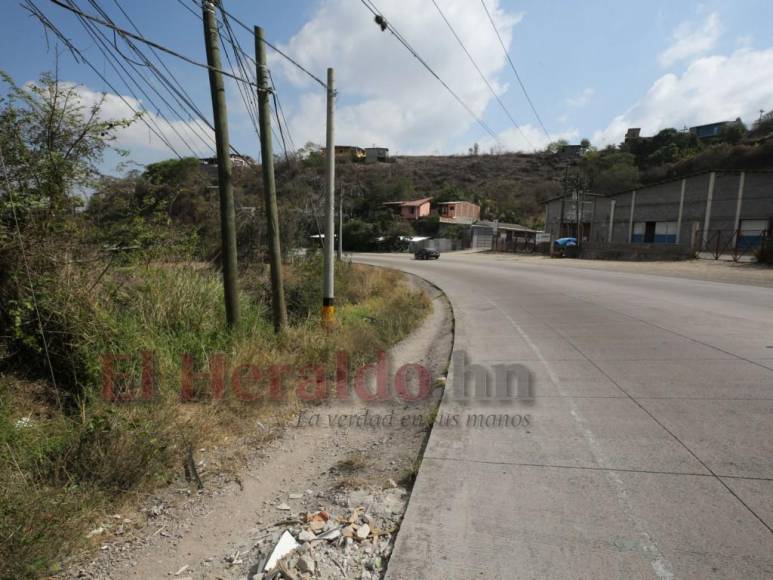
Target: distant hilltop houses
450, 212
236, 161
705, 132
361, 154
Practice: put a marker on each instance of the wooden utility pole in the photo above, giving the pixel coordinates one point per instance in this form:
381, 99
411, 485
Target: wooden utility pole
269, 186
224, 171
328, 296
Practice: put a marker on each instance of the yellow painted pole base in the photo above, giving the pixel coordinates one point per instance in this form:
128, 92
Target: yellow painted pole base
329, 316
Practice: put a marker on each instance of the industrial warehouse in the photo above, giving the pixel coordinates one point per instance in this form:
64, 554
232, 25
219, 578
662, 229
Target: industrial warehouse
719, 212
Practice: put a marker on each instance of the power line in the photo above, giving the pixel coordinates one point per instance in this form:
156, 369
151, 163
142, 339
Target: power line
482, 76
386, 25
134, 66
281, 112
274, 48
512, 65
179, 92
248, 97
182, 97
240, 54
148, 42
80, 57
103, 45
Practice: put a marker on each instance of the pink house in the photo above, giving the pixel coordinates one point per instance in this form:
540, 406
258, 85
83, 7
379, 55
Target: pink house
411, 210
458, 212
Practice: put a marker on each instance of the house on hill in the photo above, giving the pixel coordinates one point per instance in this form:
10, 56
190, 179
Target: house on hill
376, 155
711, 130
236, 161
348, 151
411, 210
458, 212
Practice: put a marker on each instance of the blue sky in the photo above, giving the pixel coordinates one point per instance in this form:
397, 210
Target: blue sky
591, 68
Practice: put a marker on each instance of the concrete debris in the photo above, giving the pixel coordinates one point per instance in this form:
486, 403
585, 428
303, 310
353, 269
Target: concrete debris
331, 535
95, 532
283, 506
284, 546
352, 538
296, 496
306, 565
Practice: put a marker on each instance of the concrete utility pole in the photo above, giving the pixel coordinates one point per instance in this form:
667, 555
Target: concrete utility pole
577, 211
341, 224
227, 212
269, 186
328, 295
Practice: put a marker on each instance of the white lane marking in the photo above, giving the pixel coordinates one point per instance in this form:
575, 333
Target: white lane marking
660, 565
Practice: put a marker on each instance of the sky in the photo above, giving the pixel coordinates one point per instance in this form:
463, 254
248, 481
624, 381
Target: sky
591, 68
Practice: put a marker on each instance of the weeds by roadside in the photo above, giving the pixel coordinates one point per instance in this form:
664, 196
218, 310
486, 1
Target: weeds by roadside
64, 465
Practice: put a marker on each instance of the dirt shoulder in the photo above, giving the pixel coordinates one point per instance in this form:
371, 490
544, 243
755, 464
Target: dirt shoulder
708, 270
346, 462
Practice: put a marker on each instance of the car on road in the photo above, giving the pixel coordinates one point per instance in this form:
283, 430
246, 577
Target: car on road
426, 254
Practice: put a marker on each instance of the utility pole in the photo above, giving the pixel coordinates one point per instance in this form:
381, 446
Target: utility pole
577, 187
227, 212
328, 296
269, 186
341, 224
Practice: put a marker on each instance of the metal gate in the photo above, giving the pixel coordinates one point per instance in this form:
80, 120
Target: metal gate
735, 245
482, 240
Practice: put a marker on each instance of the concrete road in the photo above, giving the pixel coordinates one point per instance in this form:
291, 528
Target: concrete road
649, 447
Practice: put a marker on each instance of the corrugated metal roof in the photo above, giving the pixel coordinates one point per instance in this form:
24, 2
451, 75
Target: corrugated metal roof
503, 226
413, 202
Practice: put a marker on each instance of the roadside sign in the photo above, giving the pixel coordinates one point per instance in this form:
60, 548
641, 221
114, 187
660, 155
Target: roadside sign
542, 237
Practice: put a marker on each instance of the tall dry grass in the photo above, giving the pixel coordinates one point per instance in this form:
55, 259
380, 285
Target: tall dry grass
68, 457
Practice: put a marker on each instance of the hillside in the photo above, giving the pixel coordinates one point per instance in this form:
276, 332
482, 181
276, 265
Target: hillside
509, 187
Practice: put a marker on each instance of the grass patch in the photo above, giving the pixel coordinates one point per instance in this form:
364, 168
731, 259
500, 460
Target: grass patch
68, 458
354, 462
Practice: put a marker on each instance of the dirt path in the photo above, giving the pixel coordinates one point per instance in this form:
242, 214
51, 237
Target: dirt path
224, 531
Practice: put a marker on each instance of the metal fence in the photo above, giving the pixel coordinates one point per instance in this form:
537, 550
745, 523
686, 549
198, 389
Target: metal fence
730, 244
519, 244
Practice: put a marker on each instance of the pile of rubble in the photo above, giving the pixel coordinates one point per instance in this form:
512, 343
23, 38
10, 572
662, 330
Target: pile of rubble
352, 540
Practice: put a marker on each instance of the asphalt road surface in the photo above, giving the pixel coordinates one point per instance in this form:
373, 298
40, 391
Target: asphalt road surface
648, 451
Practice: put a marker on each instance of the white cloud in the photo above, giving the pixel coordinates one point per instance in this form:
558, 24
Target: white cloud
690, 41
143, 144
713, 88
581, 99
386, 96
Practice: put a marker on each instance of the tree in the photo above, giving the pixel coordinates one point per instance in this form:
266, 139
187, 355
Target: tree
763, 125
668, 146
51, 144
556, 146
733, 132
611, 170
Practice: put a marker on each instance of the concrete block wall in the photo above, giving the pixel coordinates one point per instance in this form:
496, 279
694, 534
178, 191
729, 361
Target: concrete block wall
661, 203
